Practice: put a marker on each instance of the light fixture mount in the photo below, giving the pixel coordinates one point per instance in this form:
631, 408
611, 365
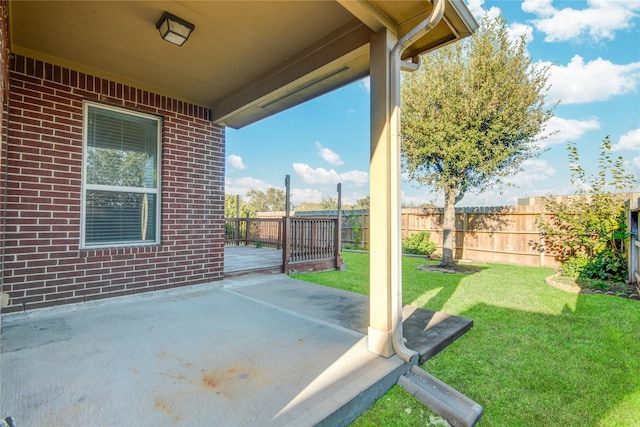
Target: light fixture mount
174, 29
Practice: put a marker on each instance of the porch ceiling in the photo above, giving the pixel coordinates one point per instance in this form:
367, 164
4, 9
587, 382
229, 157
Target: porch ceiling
245, 60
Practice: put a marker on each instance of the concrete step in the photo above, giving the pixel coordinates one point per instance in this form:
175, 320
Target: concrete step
277, 269
450, 404
429, 332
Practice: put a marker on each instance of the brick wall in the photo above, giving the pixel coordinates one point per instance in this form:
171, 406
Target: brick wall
4, 85
43, 264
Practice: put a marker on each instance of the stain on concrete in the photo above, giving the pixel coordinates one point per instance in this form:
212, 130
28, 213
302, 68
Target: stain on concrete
228, 382
163, 406
210, 381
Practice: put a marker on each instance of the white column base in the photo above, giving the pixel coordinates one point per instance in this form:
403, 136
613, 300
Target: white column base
380, 342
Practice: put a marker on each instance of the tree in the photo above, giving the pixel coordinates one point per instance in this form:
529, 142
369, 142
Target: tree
308, 206
266, 201
588, 232
329, 203
230, 210
470, 117
363, 203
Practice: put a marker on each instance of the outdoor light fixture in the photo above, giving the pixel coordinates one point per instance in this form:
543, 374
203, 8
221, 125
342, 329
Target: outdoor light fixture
173, 29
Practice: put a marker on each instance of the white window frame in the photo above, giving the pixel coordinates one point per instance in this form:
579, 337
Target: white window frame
86, 186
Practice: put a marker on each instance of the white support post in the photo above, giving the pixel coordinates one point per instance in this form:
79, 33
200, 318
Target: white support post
384, 220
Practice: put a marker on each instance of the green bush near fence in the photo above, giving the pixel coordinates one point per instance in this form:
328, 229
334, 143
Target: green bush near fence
418, 244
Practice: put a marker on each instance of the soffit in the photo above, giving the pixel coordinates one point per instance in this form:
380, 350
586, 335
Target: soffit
402, 16
245, 60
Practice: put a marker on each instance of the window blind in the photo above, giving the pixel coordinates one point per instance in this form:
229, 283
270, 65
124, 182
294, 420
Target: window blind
121, 177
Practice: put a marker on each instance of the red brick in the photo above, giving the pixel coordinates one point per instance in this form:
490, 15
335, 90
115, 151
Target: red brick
36, 305
43, 192
63, 301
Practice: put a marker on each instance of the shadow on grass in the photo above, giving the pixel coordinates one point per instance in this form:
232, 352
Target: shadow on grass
536, 355
425, 285
574, 368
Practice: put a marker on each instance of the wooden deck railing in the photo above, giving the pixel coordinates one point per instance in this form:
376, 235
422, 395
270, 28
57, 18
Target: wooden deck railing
310, 243
254, 231
311, 239
307, 243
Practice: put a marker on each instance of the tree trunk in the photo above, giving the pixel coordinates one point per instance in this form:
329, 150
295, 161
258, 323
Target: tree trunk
448, 228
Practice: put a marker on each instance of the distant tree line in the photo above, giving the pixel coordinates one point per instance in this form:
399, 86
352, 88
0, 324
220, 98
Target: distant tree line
273, 200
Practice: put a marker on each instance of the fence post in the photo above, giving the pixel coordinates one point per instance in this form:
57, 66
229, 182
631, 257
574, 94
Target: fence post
464, 231
286, 245
236, 236
633, 262
362, 232
279, 234
543, 248
337, 246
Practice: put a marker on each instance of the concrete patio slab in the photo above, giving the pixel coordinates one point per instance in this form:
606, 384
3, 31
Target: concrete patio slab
205, 355
248, 351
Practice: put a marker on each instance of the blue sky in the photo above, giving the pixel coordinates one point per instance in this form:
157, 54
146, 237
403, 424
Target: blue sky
593, 51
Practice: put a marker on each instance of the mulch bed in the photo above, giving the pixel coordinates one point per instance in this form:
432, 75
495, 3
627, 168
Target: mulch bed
454, 269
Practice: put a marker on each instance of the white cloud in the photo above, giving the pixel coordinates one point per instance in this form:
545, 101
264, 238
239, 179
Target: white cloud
329, 156
516, 30
324, 176
299, 195
240, 186
353, 197
534, 171
636, 161
236, 161
565, 130
538, 7
365, 84
598, 80
415, 200
475, 6
628, 142
599, 20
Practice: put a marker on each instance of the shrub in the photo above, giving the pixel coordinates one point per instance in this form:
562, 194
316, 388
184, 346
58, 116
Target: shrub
356, 230
588, 233
606, 266
573, 266
418, 244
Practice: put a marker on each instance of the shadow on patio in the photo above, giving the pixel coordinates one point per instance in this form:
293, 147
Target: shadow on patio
207, 355
252, 350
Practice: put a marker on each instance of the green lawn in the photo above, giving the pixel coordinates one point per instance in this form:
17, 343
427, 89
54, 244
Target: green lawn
537, 356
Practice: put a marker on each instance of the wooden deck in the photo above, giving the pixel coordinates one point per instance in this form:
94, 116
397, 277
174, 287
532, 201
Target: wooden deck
239, 260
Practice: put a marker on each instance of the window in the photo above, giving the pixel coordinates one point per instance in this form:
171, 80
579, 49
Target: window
121, 185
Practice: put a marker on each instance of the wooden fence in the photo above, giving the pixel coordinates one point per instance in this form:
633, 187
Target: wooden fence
503, 234
509, 235
634, 248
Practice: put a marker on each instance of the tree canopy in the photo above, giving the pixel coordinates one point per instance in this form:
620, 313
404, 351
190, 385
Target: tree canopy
230, 207
471, 115
362, 203
266, 201
329, 203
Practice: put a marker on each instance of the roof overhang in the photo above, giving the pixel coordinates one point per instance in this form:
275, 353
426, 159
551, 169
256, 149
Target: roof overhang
245, 60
